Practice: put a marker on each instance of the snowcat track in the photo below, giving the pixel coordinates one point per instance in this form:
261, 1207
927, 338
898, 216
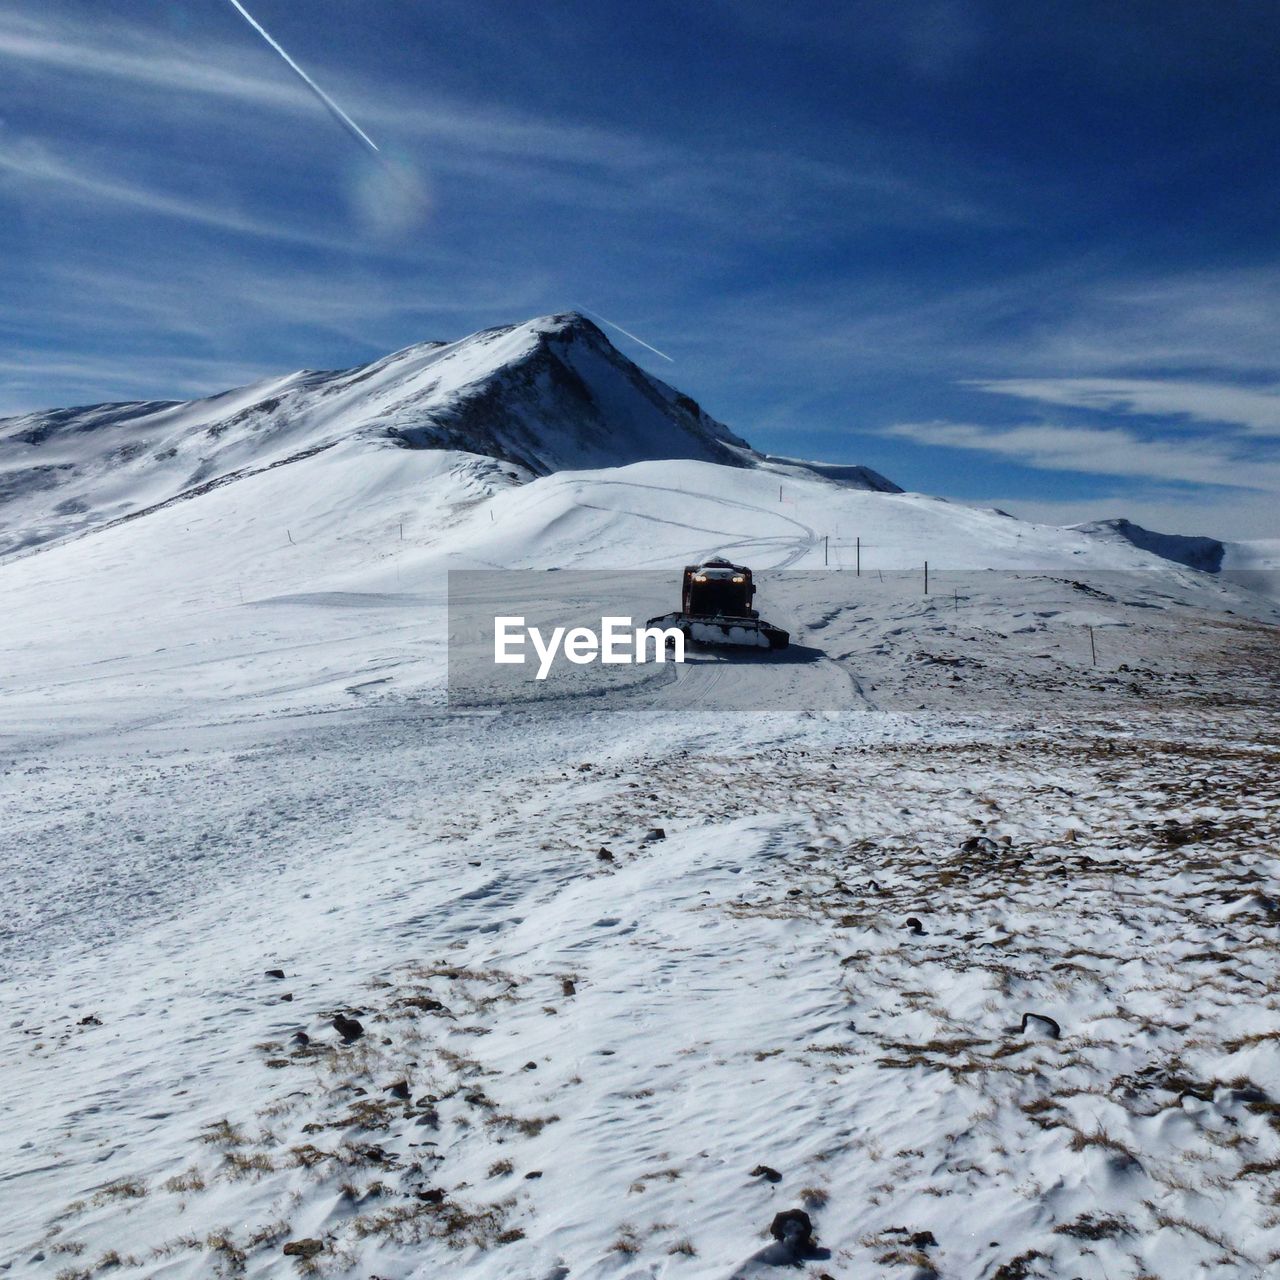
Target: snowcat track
722, 632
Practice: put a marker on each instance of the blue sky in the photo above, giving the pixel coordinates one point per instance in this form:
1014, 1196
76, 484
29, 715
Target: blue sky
1017, 254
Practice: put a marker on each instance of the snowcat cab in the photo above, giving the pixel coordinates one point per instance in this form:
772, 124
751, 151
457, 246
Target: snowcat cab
718, 588
716, 608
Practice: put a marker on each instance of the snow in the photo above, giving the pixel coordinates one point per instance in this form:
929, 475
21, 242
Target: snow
544, 395
1196, 553
227, 749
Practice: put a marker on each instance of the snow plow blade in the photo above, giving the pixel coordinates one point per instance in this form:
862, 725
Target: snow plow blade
722, 632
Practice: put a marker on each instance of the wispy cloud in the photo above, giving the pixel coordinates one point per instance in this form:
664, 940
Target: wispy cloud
1214, 513
1255, 409
126, 53
217, 298
543, 157
1085, 316
25, 372
37, 164
199, 327
1100, 451
137, 58
1119, 322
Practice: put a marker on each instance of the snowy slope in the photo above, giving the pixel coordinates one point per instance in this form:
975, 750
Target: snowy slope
798, 979
1196, 553
664, 513
856, 477
544, 395
332, 570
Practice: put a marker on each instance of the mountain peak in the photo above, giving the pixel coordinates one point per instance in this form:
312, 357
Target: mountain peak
549, 394
554, 325
566, 322
1201, 553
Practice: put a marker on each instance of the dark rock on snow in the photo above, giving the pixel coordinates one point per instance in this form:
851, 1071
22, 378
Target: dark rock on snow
1039, 1022
307, 1248
350, 1029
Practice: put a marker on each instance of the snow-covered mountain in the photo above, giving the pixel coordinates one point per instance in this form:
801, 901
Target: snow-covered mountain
534, 446
548, 395
1205, 554
510, 404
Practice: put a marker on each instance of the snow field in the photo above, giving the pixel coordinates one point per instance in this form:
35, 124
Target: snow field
742, 991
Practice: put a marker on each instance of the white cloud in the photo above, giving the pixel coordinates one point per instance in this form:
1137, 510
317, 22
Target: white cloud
211, 311
552, 159
1078, 317
25, 374
33, 162
123, 52
1101, 451
1207, 514
374, 312
1220, 320
1255, 409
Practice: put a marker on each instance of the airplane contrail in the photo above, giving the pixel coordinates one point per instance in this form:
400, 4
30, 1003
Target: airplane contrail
332, 107
620, 329
359, 134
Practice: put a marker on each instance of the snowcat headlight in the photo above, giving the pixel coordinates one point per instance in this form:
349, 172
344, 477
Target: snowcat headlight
739, 579
699, 577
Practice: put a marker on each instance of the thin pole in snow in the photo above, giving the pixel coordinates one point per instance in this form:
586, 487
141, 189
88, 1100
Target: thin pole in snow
401, 530
857, 544
957, 600
824, 550
779, 493
288, 535
1093, 648
881, 573
926, 577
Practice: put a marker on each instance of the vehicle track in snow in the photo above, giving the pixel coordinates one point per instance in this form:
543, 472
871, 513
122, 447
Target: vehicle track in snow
795, 549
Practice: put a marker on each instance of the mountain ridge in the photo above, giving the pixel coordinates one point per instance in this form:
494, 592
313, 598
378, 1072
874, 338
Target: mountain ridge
1205, 554
546, 395
525, 401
